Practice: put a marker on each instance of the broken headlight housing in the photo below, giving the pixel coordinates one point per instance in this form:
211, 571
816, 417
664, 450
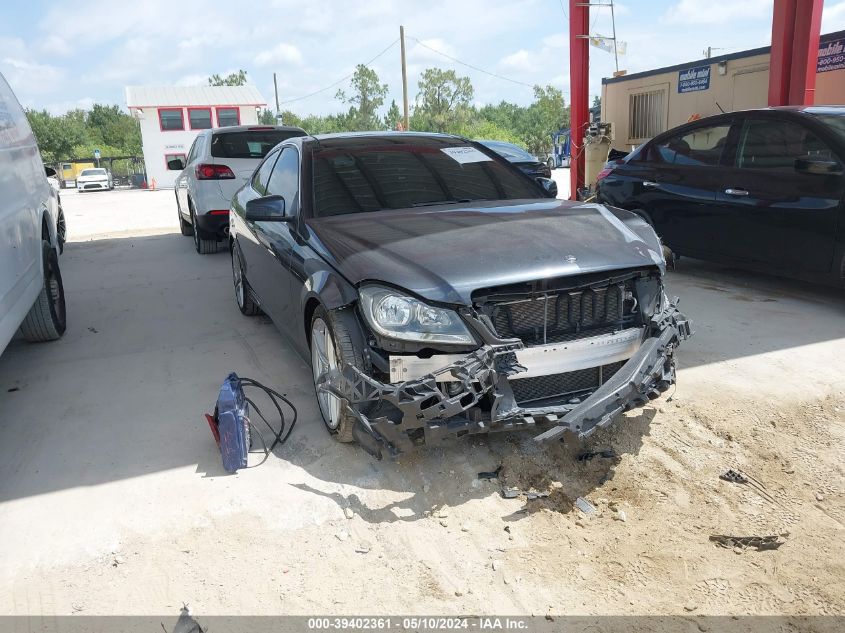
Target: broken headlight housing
394, 314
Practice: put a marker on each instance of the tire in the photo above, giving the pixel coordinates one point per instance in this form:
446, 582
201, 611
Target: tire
203, 245
47, 319
243, 292
61, 231
340, 425
186, 228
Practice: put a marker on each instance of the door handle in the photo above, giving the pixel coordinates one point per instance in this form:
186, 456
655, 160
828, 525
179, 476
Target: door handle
736, 192
649, 183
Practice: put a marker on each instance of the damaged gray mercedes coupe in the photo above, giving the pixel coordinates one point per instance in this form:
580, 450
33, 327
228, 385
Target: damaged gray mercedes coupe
439, 292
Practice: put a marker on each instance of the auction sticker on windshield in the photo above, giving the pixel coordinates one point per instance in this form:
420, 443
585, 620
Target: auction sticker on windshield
465, 154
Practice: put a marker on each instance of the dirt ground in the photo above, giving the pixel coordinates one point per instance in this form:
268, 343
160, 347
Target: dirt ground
113, 500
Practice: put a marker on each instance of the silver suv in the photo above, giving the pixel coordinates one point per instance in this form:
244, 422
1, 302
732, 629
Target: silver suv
220, 162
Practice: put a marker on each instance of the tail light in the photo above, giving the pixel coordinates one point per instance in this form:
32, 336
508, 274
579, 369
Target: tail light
208, 171
606, 171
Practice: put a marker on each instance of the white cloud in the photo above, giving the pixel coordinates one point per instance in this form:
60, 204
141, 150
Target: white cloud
283, 53
55, 45
700, 12
833, 17
196, 79
520, 60
30, 78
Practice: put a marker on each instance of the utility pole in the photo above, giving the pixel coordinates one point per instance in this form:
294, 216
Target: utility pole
615, 46
404, 74
276, 90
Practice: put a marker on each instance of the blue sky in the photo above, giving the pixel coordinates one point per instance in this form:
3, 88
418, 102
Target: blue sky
65, 55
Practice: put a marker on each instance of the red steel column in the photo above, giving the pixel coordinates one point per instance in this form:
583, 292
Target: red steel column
579, 84
795, 49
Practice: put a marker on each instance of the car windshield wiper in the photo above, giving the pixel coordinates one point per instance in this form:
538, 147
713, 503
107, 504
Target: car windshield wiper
439, 202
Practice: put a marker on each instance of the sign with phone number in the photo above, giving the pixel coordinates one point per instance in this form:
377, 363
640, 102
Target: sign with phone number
831, 56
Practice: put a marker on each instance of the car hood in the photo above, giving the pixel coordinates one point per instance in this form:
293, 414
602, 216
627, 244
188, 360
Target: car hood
444, 253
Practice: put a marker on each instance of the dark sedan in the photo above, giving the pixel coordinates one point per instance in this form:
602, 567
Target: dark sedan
438, 292
762, 189
527, 163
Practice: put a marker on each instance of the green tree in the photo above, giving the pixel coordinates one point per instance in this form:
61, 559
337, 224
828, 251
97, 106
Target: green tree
112, 127
393, 116
546, 115
267, 117
443, 101
57, 136
365, 98
233, 79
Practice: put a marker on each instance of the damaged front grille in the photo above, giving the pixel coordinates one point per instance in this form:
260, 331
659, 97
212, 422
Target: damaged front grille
556, 386
561, 316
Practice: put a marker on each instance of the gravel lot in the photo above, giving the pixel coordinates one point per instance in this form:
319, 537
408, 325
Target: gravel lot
113, 499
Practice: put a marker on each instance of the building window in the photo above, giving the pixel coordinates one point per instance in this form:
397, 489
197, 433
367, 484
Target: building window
199, 118
171, 119
227, 117
645, 114
170, 157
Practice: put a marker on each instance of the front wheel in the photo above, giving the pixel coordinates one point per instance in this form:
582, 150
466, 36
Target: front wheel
46, 320
243, 293
332, 348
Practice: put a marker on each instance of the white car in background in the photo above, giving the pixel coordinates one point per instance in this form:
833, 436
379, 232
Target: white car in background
32, 298
219, 163
94, 179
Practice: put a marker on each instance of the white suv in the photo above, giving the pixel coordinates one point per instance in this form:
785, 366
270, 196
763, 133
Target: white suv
219, 163
32, 297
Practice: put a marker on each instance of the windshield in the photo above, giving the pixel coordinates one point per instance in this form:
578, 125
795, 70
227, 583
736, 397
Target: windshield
370, 174
93, 172
835, 123
512, 152
249, 143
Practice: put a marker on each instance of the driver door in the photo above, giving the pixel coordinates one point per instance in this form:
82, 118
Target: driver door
275, 241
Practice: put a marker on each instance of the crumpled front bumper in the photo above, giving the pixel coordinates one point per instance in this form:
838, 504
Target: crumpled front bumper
401, 416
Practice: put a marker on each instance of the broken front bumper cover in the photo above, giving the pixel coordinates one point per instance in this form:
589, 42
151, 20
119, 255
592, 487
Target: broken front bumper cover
399, 417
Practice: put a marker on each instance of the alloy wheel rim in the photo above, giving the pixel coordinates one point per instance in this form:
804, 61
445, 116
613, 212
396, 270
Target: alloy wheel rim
238, 277
323, 360
55, 291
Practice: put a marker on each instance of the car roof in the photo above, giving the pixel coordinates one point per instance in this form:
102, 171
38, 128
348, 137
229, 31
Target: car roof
256, 127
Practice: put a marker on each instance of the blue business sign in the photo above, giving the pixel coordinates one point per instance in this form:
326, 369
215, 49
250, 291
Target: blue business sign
693, 79
831, 56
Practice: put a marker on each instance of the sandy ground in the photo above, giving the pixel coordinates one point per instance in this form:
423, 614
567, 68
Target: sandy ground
113, 499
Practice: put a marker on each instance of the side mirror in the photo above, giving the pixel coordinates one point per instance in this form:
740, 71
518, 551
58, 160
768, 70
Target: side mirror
819, 167
51, 173
548, 185
267, 209
175, 164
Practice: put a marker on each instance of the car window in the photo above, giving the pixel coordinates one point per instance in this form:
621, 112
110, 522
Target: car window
362, 175
93, 172
702, 146
284, 181
249, 143
262, 174
772, 144
192, 153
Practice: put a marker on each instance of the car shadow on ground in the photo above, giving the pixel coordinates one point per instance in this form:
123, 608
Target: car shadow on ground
548, 476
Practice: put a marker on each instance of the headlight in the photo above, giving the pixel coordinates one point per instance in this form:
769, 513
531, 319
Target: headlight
397, 315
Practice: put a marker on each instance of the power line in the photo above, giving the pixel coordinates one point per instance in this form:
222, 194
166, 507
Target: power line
564, 10
342, 79
462, 63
